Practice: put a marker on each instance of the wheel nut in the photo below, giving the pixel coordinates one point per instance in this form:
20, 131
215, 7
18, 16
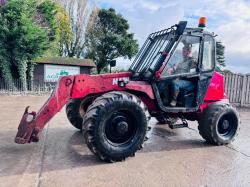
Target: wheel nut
122, 127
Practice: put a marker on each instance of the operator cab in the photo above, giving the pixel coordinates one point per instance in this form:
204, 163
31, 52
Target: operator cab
191, 58
177, 58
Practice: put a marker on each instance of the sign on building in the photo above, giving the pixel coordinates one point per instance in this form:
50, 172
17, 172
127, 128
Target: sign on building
53, 72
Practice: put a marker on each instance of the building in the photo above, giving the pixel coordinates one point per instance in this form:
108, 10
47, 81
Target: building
49, 70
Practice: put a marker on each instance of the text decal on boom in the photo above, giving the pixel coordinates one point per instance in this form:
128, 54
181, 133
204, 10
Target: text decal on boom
115, 80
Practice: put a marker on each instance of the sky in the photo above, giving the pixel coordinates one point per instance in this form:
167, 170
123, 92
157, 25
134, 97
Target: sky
229, 19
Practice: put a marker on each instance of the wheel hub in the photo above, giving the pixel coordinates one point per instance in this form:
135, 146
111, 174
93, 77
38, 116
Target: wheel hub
225, 124
122, 127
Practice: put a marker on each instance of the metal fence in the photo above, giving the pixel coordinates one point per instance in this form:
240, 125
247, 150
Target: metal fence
237, 88
34, 87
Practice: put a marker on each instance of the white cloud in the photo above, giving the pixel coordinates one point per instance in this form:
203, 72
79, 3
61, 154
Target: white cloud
236, 36
230, 19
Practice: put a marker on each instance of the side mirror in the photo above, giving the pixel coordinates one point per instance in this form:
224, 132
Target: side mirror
112, 63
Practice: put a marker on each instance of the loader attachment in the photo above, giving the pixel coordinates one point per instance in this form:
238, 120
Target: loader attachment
26, 127
32, 123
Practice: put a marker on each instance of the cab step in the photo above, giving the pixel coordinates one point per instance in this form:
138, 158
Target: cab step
178, 126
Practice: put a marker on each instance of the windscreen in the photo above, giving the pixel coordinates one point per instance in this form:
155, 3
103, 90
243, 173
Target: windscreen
152, 51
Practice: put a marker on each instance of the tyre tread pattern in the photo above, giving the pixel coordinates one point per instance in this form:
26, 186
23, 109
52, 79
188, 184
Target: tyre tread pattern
208, 120
92, 113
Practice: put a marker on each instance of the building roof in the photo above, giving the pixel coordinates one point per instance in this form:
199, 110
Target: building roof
66, 61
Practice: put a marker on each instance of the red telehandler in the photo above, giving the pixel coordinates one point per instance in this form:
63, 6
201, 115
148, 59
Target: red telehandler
173, 77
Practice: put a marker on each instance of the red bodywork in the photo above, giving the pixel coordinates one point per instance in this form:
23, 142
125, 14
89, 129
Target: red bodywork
73, 87
215, 91
80, 86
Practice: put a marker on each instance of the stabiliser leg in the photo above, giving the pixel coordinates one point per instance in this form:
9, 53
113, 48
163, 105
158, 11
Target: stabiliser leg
32, 123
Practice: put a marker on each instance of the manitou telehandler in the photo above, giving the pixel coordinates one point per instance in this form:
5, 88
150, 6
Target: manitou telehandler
113, 110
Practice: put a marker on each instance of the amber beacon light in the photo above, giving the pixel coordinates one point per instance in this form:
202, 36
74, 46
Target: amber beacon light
202, 22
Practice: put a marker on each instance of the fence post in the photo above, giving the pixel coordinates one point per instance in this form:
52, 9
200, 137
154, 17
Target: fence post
243, 94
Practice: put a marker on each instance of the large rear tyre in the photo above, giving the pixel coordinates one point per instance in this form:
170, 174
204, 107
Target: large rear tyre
76, 109
73, 113
219, 124
115, 126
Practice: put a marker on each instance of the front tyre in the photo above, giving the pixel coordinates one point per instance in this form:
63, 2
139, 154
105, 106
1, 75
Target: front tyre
219, 124
115, 126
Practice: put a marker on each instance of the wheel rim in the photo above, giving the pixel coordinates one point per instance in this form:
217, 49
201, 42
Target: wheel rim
227, 125
121, 128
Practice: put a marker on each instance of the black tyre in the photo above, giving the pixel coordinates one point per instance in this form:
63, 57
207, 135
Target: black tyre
73, 113
219, 124
115, 126
162, 119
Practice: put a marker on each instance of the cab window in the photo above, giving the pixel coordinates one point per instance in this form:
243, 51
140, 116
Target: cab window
185, 58
208, 57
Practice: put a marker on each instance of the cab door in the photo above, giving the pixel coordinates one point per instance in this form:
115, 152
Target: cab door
177, 68
207, 66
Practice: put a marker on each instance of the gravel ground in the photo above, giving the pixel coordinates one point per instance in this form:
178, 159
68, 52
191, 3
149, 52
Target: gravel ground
170, 158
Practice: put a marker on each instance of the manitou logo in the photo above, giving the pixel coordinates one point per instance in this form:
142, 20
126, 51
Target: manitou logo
116, 80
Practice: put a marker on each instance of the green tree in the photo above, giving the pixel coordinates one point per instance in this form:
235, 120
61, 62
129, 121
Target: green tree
28, 30
80, 12
108, 38
21, 39
220, 54
53, 16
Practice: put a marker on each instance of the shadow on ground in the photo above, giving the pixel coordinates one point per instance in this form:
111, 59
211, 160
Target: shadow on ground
64, 148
